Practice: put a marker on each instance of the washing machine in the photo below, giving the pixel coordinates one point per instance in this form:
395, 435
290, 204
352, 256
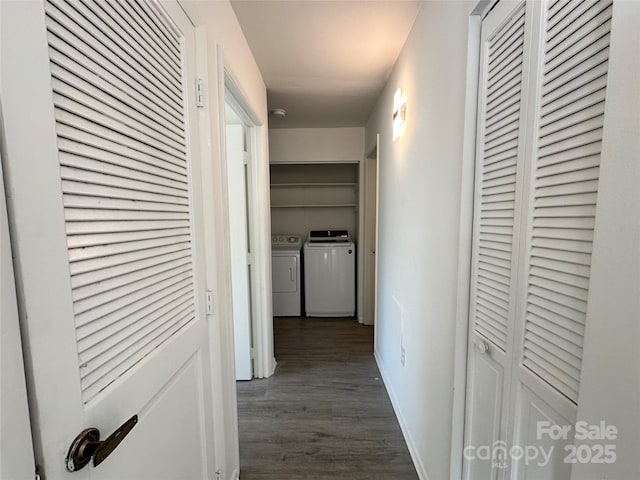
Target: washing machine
286, 277
330, 274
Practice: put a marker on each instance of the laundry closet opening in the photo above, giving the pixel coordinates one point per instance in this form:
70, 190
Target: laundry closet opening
319, 192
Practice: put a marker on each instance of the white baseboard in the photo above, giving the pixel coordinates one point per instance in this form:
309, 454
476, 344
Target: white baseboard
417, 461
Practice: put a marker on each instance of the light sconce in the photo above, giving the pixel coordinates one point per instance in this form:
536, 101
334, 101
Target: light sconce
399, 113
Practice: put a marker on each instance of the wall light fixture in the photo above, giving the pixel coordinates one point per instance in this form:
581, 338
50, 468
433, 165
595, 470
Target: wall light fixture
399, 113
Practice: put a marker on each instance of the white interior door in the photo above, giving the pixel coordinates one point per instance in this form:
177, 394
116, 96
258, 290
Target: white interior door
499, 160
236, 172
102, 185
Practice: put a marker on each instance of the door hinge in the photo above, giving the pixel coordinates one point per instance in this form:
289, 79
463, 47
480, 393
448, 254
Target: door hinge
37, 475
218, 474
208, 295
249, 259
245, 158
199, 93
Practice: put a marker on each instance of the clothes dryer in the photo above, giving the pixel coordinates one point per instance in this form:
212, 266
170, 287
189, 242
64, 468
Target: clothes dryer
286, 275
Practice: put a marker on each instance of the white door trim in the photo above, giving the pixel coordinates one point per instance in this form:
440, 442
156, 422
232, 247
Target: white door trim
259, 219
367, 243
465, 236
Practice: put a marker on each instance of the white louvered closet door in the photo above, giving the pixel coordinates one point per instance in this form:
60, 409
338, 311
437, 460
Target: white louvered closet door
108, 221
499, 169
533, 230
560, 216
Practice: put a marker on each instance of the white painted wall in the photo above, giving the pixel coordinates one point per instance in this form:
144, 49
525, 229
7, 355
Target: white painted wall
221, 29
610, 384
420, 177
315, 145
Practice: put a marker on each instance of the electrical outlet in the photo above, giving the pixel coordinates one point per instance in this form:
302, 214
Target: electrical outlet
402, 355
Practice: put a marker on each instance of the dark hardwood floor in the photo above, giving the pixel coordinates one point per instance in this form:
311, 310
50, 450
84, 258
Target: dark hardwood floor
325, 414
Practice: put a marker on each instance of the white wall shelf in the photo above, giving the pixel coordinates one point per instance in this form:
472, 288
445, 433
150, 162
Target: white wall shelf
314, 195
331, 205
287, 185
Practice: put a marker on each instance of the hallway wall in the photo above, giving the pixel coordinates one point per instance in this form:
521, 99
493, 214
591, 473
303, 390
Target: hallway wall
420, 177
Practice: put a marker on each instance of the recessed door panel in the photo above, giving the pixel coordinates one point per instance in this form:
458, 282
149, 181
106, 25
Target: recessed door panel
544, 436
484, 416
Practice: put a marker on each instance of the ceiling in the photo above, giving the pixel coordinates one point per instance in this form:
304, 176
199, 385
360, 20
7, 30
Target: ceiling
325, 61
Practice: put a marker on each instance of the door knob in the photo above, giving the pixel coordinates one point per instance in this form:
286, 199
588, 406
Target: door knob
87, 445
483, 347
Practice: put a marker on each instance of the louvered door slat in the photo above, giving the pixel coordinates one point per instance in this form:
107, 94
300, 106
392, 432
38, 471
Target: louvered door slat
547, 327
88, 253
95, 159
81, 188
560, 266
113, 141
84, 266
156, 305
563, 199
131, 51
121, 23
124, 176
559, 6
594, 42
558, 378
97, 214
562, 288
74, 102
129, 337
508, 35
83, 241
59, 23
558, 276
128, 302
81, 171
506, 118
74, 87
97, 380
115, 82
131, 15
496, 267
167, 33
94, 29
75, 140
131, 278
124, 271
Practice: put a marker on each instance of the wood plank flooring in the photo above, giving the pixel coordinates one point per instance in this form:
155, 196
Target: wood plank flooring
325, 414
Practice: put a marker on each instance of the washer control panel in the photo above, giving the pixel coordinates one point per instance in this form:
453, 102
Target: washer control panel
284, 240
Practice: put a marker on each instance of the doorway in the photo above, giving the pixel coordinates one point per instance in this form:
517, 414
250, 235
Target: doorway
238, 191
368, 226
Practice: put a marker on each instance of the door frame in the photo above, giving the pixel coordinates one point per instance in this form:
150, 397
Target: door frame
366, 245
465, 236
259, 218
